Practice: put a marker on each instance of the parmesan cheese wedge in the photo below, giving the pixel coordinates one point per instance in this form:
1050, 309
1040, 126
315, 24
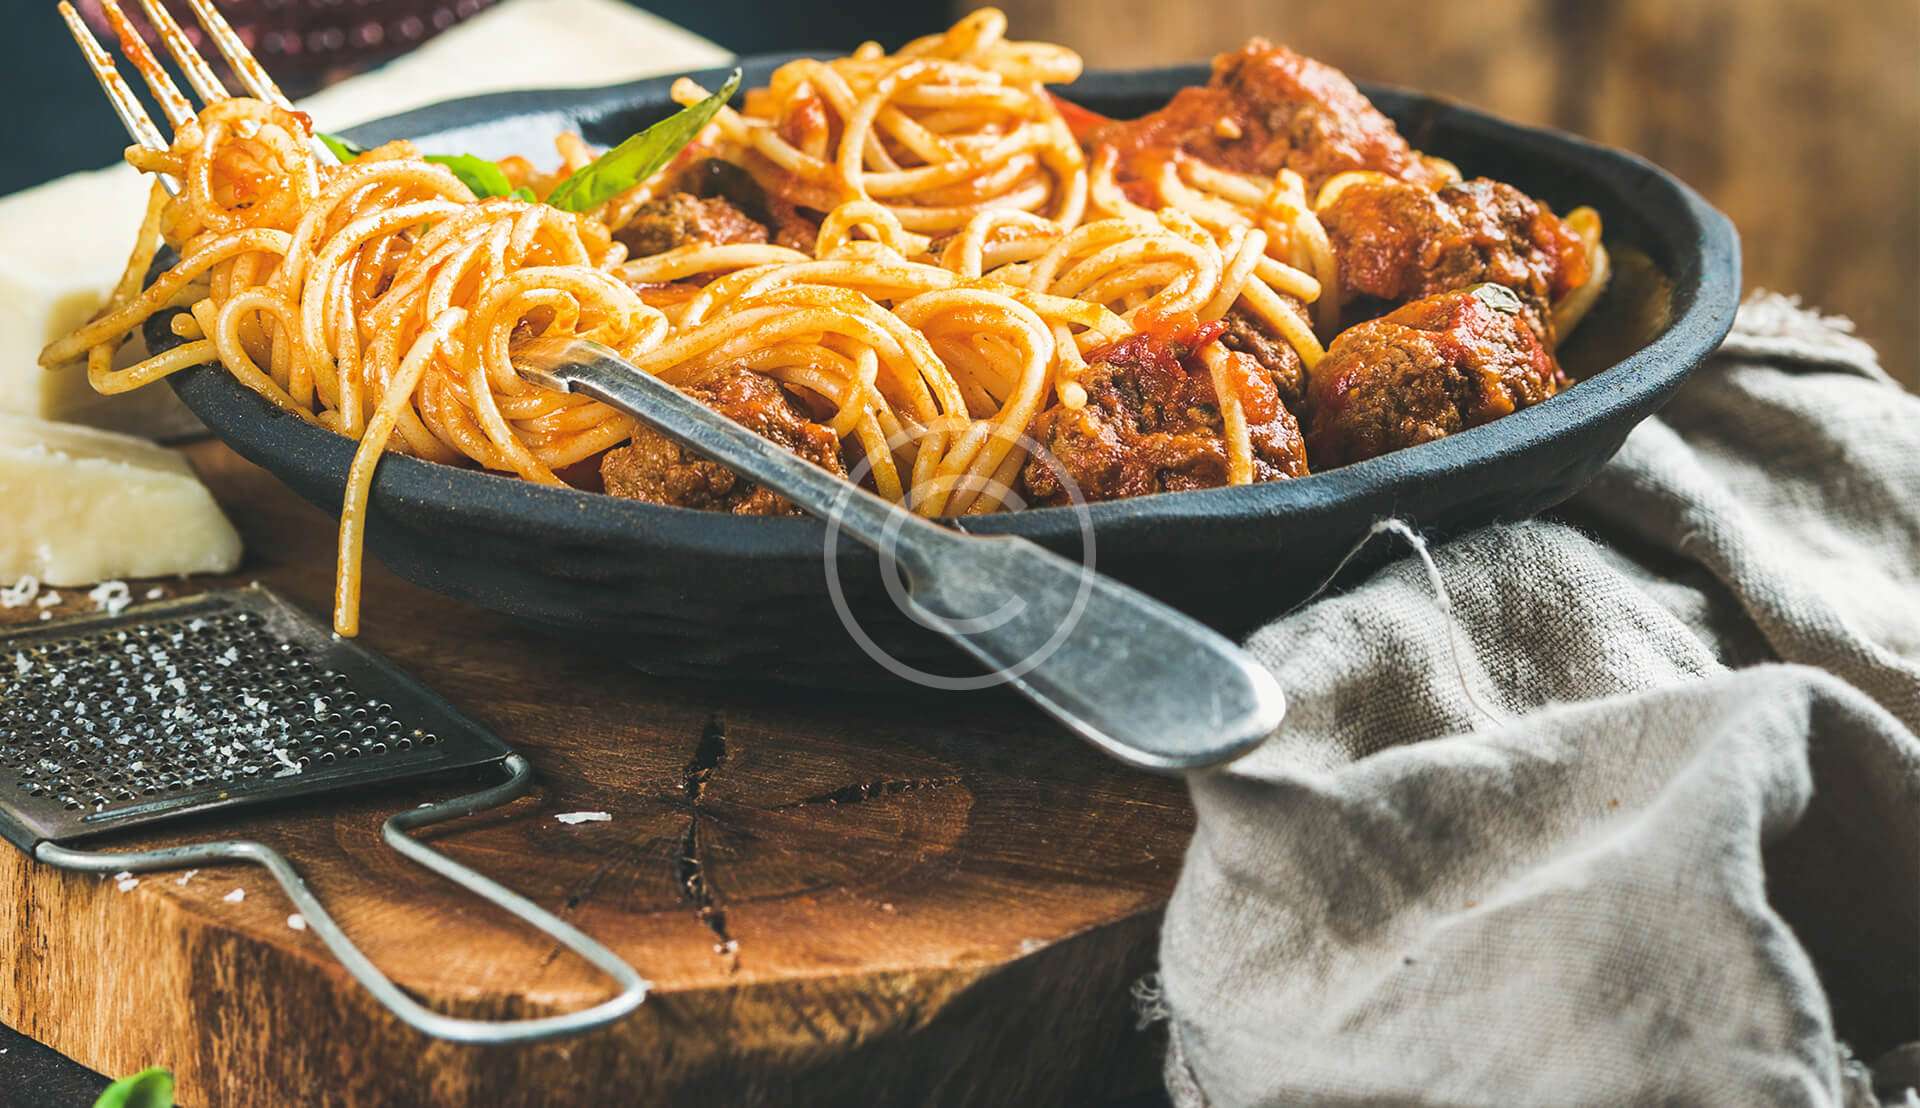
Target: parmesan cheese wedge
61, 247
79, 505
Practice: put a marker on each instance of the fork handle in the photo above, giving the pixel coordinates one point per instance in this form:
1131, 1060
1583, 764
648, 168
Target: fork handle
1127, 673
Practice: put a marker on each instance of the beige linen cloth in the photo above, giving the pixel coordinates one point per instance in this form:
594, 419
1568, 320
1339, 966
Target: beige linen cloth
1653, 837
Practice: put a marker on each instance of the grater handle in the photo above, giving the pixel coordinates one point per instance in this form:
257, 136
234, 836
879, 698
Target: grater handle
633, 987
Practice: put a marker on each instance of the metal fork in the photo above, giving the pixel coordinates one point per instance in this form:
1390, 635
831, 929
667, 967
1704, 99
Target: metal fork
1123, 671
140, 126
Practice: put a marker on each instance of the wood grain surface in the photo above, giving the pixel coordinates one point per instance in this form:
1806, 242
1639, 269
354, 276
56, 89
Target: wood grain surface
839, 899
1798, 118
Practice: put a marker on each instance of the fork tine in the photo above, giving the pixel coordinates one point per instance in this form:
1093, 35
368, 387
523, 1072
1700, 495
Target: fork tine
177, 107
248, 68
126, 105
199, 74
245, 66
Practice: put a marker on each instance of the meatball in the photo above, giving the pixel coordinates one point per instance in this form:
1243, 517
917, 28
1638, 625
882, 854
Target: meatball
1400, 242
1152, 423
711, 177
1268, 108
654, 468
1428, 369
794, 227
1248, 334
680, 218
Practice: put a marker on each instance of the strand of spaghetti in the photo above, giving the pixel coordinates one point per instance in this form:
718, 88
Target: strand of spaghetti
346, 352
1208, 211
382, 366
226, 335
701, 258
979, 450
109, 382
914, 375
1282, 277
339, 245
934, 390
500, 310
836, 231
146, 244
1573, 307
1245, 249
1233, 413
353, 508
1241, 190
117, 323
611, 431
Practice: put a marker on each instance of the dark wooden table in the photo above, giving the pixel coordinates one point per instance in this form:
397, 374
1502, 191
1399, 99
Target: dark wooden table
1799, 118
839, 899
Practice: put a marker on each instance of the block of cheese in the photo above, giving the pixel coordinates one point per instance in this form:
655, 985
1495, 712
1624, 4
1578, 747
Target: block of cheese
80, 505
56, 266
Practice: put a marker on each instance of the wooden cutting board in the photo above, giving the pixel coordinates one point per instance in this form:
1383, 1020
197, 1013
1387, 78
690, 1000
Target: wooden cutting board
839, 898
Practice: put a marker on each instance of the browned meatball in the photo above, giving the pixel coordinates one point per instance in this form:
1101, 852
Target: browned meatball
1431, 368
1248, 334
1152, 424
657, 469
680, 218
1400, 242
709, 177
1265, 109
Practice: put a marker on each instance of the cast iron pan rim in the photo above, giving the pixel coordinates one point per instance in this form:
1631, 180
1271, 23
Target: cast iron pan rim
1705, 275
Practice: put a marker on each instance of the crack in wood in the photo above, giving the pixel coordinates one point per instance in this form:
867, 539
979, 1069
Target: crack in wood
691, 867
689, 855
706, 758
872, 790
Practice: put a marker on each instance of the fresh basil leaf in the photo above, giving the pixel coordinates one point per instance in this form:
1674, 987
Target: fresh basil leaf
1498, 297
640, 157
482, 177
524, 193
478, 174
344, 149
150, 1088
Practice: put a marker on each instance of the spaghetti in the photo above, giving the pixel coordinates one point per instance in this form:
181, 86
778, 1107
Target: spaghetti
962, 259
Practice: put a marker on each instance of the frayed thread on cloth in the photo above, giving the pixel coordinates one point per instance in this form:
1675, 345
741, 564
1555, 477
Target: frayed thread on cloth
1149, 1002
1775, 325
1784, 315
1396, 526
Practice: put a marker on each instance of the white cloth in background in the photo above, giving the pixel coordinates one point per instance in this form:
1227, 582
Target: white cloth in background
1680, 866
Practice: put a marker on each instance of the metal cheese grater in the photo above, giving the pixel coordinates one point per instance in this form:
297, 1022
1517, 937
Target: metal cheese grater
170, 709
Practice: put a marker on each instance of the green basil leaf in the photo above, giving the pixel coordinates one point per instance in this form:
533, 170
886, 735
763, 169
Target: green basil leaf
640, 157
344, 149
478, 174
524, 193
150, 1088
482, 177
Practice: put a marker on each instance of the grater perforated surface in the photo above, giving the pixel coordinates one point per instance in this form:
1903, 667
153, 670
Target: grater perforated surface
227, 698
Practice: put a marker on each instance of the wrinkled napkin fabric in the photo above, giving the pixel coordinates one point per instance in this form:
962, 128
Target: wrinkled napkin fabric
1640, 824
